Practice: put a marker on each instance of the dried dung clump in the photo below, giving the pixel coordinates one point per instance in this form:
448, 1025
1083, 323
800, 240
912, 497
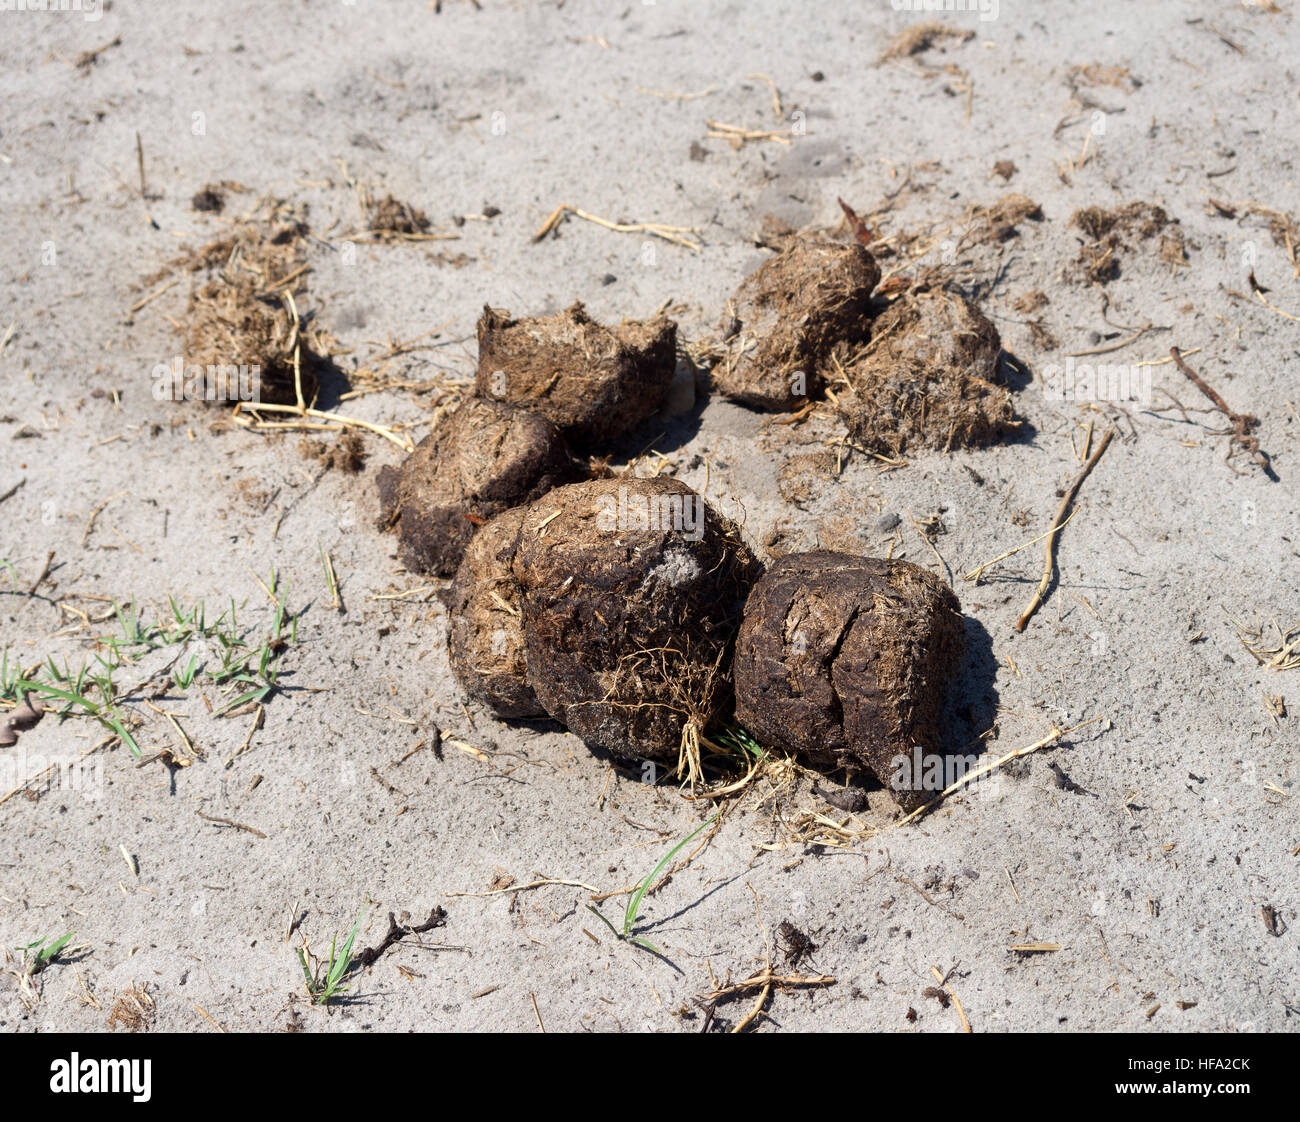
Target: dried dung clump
211, 199
928, 377
483, 459
1109, 231
786, 317
240, 315
922, 36
392, 216
845, 660
594, 383
231, 326
485, 637
632, 594
1000, 222
804, 475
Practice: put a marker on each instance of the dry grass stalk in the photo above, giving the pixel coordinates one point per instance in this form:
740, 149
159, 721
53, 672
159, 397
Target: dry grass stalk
675, 234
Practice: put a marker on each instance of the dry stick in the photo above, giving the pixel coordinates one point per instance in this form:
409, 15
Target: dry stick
9, 494
767, 985
90, 522
1049, 563
978, 571
45, 572
722, 131
328, 422
965, 1024
396, 931
139, 159
151, 297
1114, 346
659, 230
228, 822
534, 884
1051, 738
1242, 423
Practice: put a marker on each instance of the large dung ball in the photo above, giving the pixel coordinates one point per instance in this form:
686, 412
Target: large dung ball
593, 382
485, 634
928, 377
845, 660
786, 317
632, 594
484, 458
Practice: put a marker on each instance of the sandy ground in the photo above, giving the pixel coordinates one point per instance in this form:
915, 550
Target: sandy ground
1154, 883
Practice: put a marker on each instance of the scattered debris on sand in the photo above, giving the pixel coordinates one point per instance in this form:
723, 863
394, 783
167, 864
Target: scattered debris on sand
1001, 221
1107, 232
347, 453
211, 199
787, 316
480, 460
632, 592
922, 36
391, 216
844, 660
593, 382
928, 377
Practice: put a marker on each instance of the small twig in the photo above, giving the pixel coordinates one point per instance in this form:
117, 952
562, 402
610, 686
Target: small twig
1243, 424
674, 234
1114, 346
139, 159
928, 898
534, 884
970, 776
228, 822
965, 1024
1049, 561
396, 932
45, 572
976, 573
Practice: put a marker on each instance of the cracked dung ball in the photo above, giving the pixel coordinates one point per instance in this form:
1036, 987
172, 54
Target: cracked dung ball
787, 316
483, 459
594, 383
928, 377
485, 633
845, 660
632, 594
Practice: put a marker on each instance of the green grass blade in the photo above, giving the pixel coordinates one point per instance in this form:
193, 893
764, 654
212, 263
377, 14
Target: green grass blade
634, 905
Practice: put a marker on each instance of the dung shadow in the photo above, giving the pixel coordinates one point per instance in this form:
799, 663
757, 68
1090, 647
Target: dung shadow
663, 434
971, 704
331, 381
1013, 372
